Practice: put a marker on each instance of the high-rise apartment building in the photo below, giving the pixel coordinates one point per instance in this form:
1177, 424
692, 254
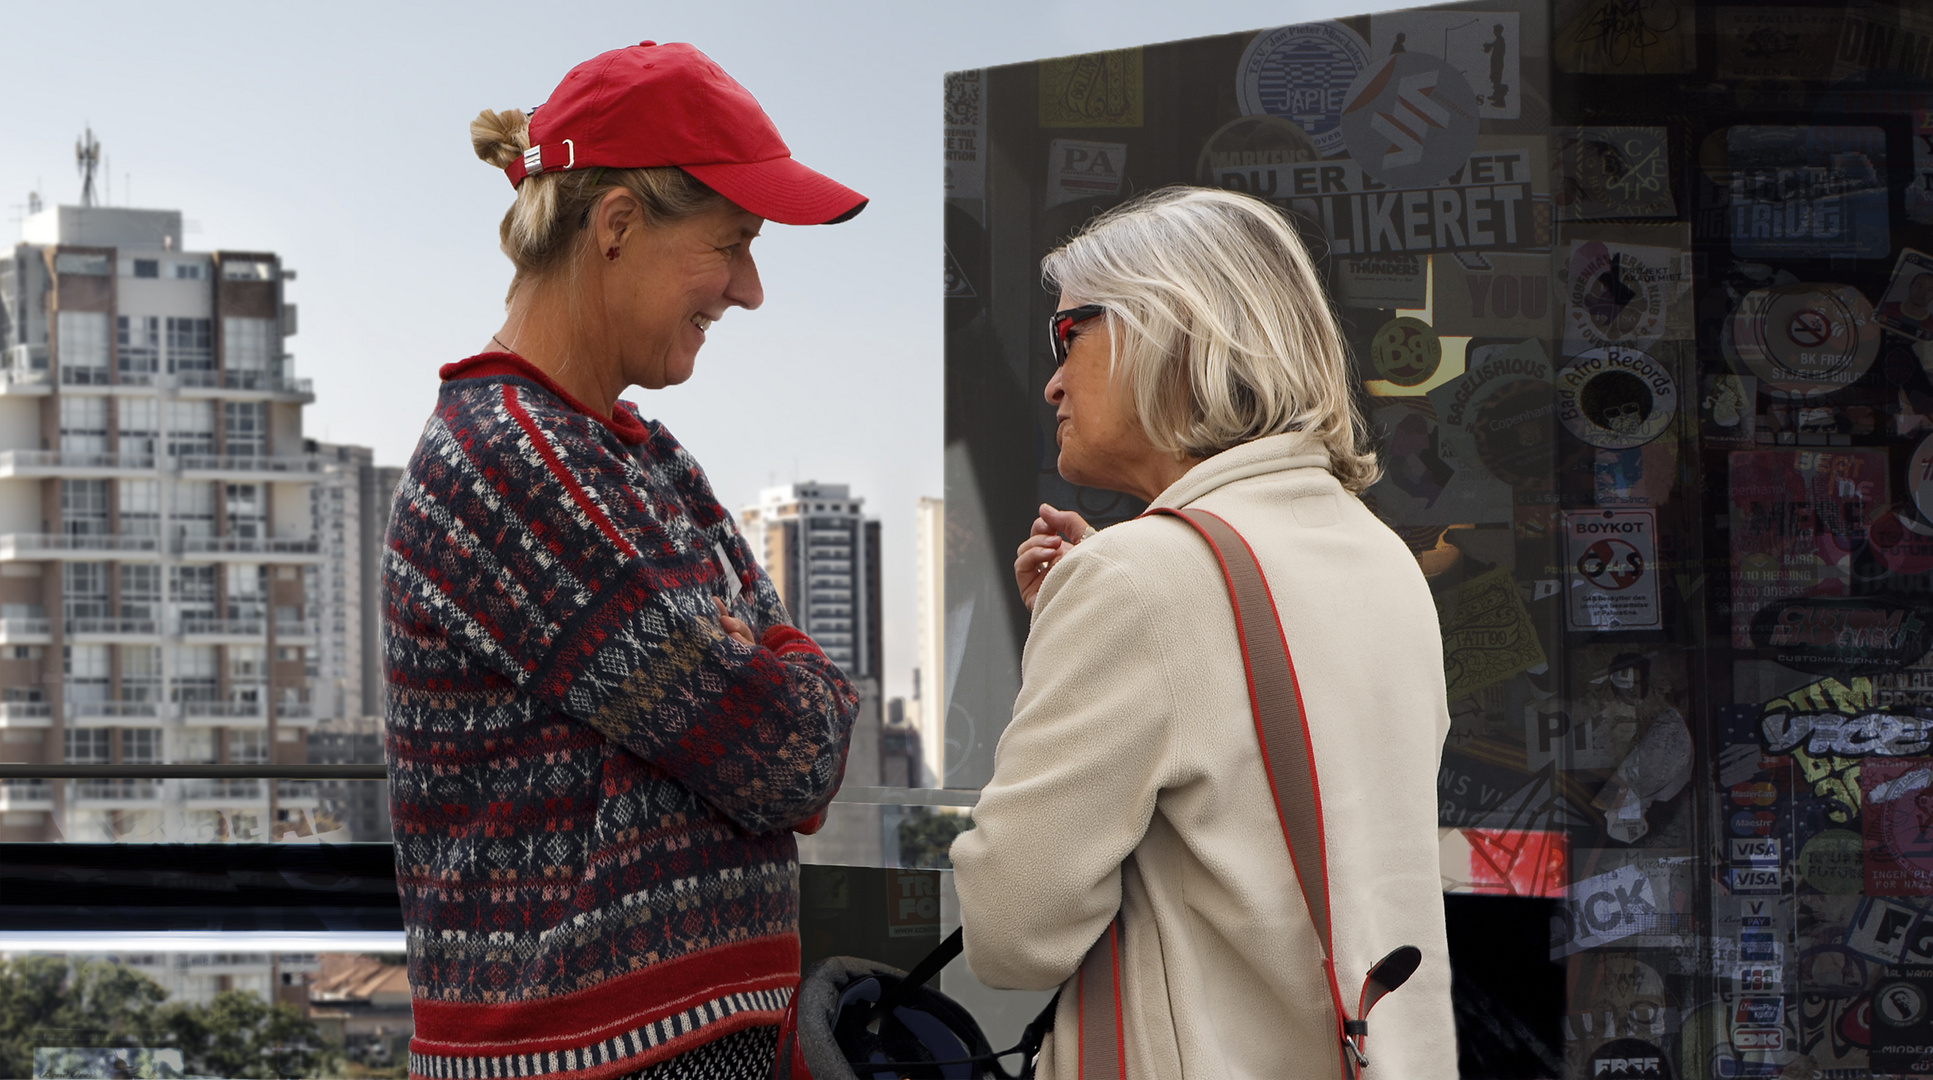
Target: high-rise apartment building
351, 512
822, 553
156, 529
929, 675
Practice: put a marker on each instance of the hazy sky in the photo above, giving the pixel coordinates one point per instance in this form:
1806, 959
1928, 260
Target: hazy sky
337, 136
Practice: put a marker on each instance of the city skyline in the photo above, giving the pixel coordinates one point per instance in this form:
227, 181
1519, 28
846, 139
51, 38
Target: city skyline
349, 157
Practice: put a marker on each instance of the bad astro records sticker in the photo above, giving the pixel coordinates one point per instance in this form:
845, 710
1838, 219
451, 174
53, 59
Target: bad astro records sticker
1302, 73
1410, 120
1805, 339
1616, 398
1406, 351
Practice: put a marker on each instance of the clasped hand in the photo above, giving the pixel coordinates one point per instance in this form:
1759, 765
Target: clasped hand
1054, 533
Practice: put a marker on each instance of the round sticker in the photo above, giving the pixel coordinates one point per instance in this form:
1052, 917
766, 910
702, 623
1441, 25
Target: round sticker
1617, 297
1406, 351
1512, 430
1616, 398
1302, 73
1242, 152
1899, 1004
1805, 339
1833, 862
1410, 120
1919, 477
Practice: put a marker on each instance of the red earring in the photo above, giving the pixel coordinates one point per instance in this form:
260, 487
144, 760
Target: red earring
612, 253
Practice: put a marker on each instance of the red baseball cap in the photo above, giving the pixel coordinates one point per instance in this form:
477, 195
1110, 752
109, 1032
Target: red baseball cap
653, 105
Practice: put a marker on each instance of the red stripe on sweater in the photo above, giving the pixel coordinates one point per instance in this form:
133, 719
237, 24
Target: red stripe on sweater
549, 454
611, 1007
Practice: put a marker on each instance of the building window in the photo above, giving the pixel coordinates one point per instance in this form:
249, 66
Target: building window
140, 509
140, 591
83, 342
191, 427
83, 425
85, 746
247, 512
193, 589
83, 507
247, 591
194, 678
246, 424
140, 424
194, 508
86, 670
78, 263
83, 591
147, 268
247, 344
247, 270
140, 746
191, 345
188, 271
140, 672
248, 746
140, 339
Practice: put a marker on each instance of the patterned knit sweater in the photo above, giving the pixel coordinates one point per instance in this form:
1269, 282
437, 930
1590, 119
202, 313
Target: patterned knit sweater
593, 786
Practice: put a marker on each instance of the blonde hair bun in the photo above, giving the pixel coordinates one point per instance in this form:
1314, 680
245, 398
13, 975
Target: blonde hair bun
500, 137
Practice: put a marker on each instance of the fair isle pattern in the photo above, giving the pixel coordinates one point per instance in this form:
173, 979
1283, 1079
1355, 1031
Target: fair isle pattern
613, 1056
592, 786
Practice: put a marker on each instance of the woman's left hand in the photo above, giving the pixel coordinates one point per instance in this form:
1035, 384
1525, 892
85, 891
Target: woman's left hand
733, 625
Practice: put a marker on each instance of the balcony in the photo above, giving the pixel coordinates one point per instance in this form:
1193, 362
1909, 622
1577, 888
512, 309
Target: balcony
240, 385
251, 629
210, 794
26, 631
226, 710
247, 466
37, 547
115, 713
114, 794
72, 465
26, 795
252, 548
295, 633
23, 370
77, 375
112, 630
26, 714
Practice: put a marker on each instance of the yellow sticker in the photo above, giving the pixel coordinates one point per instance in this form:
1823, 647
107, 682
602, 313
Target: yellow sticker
1091, 90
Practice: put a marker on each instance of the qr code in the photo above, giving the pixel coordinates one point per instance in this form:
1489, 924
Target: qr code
962, 98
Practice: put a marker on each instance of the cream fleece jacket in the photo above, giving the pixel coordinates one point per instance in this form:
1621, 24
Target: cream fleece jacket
1130, 779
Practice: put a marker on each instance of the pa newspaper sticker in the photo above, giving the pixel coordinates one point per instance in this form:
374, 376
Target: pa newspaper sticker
1406, 351
1094, 90
1621, 294
1612, 556
1084, 170
1614, 172
1410, 120
1480, 45
1616, 398
1302, 74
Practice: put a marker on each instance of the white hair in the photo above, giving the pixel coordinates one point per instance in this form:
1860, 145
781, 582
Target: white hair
1221, 331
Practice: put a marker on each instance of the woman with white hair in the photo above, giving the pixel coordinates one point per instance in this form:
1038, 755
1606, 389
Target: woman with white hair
1201, 368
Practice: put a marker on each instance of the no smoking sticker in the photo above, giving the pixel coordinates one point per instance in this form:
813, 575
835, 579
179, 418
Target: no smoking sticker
1613, 576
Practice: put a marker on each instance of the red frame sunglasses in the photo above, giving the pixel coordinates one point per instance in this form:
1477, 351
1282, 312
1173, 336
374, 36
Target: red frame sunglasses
1061, 323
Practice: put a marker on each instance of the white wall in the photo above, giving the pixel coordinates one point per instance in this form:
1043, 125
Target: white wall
19, 423
19, 506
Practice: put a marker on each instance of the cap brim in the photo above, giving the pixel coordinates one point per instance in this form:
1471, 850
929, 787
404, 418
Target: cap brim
782, 190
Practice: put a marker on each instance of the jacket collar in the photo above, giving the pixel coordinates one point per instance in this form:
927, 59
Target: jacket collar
1269, 454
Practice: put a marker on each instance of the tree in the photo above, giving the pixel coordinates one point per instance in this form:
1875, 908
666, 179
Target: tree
925, 837
46, 1001
239, 1034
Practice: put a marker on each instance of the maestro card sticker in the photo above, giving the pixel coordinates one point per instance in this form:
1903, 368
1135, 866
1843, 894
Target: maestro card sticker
1410, 120
1613, 570
1302, 73
1480, 45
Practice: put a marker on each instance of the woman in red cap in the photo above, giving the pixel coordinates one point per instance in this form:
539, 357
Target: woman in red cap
601, 730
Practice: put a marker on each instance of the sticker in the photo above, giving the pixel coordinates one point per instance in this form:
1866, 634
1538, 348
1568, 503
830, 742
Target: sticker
1832, 862
965, 130
1253, 145
1800, 192
1727, 413
1410, 120
1897, 811
1919, 477
1428, 479
1842, 636
1609, 907
1919, 192
1776, 42
1902, 1022
1486, 202
1884, 39
1084, 170
1616, 398
1883, 930
1804, 339
1517, 862
1503, 295
1498, 413
957, 285
1794, 514
1480, 45
1623, 37
1759, 1012
1406, 351
1753, 851
1612, 556
1620, 294
1388, 280
1487, 633
1751, 881
1907, 306
1614, 172
1093, 90
1302, 74
1629, 1059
